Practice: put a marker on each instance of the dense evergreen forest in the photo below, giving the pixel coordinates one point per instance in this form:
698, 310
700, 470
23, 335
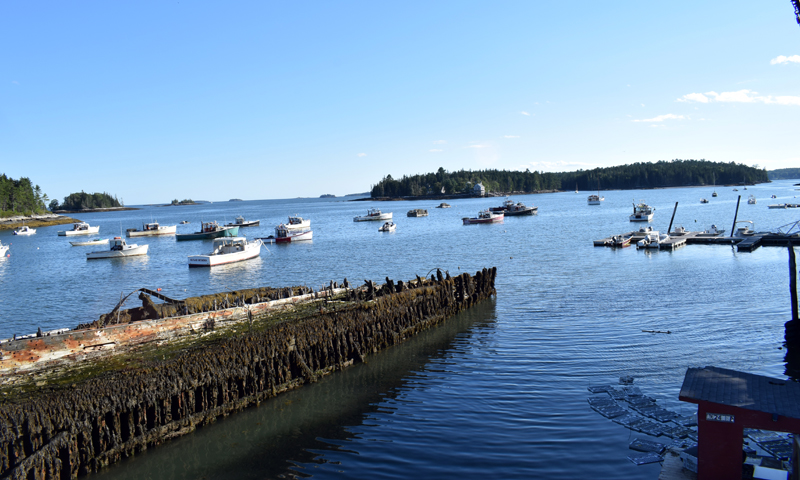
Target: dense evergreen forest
20, 197
86, 201
784, 173
675, 173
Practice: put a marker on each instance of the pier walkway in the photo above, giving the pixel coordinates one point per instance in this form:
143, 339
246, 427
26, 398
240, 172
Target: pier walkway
743, 244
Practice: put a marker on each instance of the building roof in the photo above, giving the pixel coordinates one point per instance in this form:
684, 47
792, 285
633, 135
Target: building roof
743, 390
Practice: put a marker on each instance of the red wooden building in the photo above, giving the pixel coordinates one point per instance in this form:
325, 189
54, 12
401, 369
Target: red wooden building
728, 402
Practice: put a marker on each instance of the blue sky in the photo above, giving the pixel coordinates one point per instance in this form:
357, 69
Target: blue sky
214, 100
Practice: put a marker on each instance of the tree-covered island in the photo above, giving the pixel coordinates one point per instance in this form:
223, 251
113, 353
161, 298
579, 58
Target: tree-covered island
21, 197
83, 202
662, 174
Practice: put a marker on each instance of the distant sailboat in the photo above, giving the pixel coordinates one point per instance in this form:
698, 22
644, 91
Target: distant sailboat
714, 180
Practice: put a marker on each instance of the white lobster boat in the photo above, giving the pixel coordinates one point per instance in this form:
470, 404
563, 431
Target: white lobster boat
241, 222
642, 213
373, 214
297, 223
227, 250
119, 249
3, 249
81, 228
151, 230
25, 230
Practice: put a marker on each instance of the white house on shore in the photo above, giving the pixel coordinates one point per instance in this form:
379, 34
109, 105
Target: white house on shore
479, 189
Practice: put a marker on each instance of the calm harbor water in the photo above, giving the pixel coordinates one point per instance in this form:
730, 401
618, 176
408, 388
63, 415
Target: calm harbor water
499, 391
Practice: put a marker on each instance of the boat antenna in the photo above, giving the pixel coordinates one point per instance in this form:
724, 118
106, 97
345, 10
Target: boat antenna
735, 215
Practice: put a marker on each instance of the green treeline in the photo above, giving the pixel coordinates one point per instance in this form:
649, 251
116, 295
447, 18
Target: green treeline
86, 201
784, 173
675, 173
20, 197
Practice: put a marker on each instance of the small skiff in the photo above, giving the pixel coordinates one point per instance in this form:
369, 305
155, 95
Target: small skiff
373, 214
96, 241
388, 227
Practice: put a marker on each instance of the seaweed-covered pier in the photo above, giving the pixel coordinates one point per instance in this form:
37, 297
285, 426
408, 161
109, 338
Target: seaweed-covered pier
74, 401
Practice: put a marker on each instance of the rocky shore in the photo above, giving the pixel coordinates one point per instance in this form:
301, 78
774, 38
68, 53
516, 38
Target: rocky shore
35, 221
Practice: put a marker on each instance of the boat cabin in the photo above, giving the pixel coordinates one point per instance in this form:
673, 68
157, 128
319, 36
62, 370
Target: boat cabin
118, 244
373, 212
209, 227
150, 226
295, 220
78, 227
225, 245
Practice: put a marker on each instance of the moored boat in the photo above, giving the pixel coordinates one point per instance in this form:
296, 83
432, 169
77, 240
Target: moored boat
80, 228
711, 231
241, 222
509, 208
227, 250
119, 248
595, 199
96, 241
642, 212
417, 212
25, 230
620, 241
184, 222
744, 231
373, 214
443, 205
484, 216
388, 227
152, 229
703, 200
209, 230
288, 235
297, 223
652, 240
785, 205
751, 200
3, 249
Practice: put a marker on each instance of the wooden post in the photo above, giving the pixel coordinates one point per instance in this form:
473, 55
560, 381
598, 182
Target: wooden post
793, 281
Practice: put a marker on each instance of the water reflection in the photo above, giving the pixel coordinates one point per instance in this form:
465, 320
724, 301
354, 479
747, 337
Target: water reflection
289, 435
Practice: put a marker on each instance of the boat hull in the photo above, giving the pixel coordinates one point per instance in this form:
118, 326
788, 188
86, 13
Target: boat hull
133, 252
297, 237
252, 250
523, 211
298, 226
222, 232
88, 231
168, 230
92, 242
475, 221
641, 218
25, 231
254, 223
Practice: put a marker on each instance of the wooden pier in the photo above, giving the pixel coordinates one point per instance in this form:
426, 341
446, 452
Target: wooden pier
743, 244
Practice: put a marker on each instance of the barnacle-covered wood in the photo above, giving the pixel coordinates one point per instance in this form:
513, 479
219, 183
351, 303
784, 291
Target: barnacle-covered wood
65, 432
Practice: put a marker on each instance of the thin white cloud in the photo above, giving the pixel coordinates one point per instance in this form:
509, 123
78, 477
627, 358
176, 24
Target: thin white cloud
439, 142
510, 136
15, 82
643, 104
362, 154
478, 146
741, 96
525, 113
435, 150
661, 118
783, 59
694, 97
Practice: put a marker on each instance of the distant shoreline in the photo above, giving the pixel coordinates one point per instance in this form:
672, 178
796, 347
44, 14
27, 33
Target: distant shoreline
508, 194
93, 210
34, 221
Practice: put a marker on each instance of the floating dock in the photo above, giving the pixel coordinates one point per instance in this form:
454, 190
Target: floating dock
743, 244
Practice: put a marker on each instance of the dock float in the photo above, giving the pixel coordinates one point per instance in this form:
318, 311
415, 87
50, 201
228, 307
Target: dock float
743, 244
